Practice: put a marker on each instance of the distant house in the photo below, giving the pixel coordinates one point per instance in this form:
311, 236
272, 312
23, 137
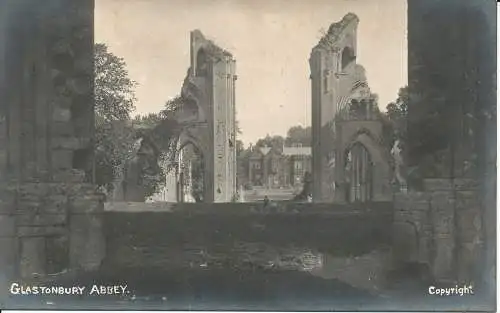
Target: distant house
256, 166
299, 161
275, 168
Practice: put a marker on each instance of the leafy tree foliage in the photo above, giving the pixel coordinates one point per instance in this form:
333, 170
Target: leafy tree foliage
299, 135
114, 101
114, 90
275, 142
161, 129
165, 129
451, 83
295, 135
397, 115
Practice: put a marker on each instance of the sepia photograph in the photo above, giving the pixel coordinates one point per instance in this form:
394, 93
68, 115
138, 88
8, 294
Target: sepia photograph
248, 155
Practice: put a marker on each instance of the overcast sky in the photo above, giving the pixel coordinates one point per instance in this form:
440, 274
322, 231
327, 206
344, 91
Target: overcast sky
271, 41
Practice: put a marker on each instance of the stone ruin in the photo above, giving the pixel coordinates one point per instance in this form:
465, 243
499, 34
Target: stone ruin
208, 117
50, 213
49, 210
340, 134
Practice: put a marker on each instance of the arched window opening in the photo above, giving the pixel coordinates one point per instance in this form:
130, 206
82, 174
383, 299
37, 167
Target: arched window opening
191, 109
359, 174
191, 174
347, 57
201, 63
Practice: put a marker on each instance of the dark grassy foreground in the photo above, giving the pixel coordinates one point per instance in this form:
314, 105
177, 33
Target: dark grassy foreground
200, 289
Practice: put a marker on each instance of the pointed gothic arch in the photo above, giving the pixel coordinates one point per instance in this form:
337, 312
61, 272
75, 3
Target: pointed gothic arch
358, 167
370, 181
190, 171
201, 63
347, 56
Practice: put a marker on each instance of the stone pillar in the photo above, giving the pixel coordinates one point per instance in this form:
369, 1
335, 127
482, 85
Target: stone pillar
489, 207
8, 240
316, 67
442, 201
412, 227
87, 242
382, 190
49, 110
469, 231
457, 229
222, 122
342, 187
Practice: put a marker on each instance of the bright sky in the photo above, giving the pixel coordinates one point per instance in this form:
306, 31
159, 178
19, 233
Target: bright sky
271, 41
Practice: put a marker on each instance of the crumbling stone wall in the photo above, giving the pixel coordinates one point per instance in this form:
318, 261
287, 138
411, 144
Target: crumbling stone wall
442, 226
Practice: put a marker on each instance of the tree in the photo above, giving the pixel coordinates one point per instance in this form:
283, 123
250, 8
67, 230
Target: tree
275, 142
397, 114
162, 129
451, 82
299, 135
114, 90
237, 127
242, 163
240, 147
147, 121
166, 129
114, 101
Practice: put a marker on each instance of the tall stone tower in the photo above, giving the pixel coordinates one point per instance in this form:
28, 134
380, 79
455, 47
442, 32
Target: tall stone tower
209, 116
335, 77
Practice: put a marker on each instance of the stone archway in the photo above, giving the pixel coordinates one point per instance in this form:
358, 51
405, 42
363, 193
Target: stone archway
190, 172
372, 176
201, 63
358, 167
347, 57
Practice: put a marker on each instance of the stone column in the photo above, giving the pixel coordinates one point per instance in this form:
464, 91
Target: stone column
342, 187
412, 227
45, 183
442, 201
87, 242
489, 207
316, 68
381, 187
457, 229
469, 231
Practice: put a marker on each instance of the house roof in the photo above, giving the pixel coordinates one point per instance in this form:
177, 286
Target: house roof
265, 150
289, 151
256, 153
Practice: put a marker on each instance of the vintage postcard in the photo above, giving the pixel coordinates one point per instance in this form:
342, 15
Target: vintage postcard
255, 155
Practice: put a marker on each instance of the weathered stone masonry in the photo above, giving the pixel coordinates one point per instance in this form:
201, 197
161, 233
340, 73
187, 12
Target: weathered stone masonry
441, 227
209, 116
454, 220
49, 210
336, 80
50, 215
